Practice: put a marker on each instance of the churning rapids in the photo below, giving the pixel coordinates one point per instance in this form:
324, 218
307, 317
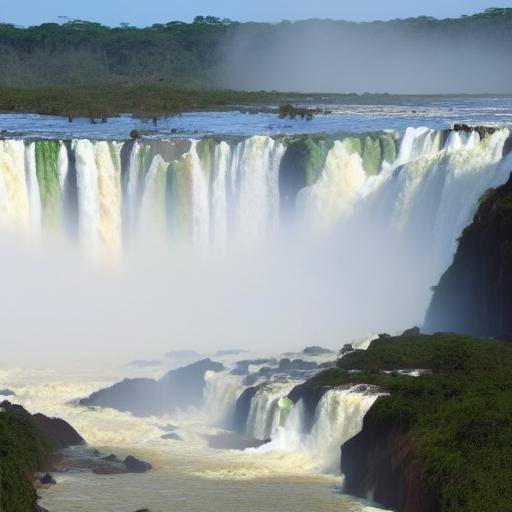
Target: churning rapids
340, 215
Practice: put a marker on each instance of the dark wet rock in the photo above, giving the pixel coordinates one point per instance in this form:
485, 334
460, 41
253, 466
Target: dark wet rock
482, 131
310, 397
232, 441
135, 465
242, 367
315, 350
172, 436
296, 364
384, 335
47, 479
507, 147
378, 460
178, 388
109, 465
413, 331
38, 508
346, 349
7, 392
111, 458
474, 296
136, 134
242, 407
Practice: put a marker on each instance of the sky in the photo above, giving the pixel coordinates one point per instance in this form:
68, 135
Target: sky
147, 12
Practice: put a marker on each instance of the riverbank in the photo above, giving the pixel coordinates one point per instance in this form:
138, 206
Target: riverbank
153, 102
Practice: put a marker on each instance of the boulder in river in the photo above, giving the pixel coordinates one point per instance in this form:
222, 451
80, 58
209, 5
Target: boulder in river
180, 388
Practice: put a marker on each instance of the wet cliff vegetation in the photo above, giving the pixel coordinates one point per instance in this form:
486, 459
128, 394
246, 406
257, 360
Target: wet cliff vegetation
440, 441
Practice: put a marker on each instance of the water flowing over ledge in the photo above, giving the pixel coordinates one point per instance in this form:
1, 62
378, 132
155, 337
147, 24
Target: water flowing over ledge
422, 190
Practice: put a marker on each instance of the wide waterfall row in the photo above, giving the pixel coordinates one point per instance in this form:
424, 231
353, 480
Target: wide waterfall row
210, 192
287, 426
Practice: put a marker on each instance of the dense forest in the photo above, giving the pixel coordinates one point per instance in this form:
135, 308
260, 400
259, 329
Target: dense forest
213, 52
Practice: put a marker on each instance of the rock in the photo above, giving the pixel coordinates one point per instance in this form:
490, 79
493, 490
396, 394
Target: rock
180, 388
135, 465
61, 433
111, 458
172, 436
346, 349
7, 392
413, 331
242, 407
136, 134
47, 479
242, 367
474, 295
38, 508
310, 397
315, 350
379, 460
56, 430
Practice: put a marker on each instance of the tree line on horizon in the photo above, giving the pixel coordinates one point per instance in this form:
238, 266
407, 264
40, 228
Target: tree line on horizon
184, 55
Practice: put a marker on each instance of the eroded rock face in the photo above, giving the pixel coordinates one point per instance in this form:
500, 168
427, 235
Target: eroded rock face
145, 397
474, 296
379, 462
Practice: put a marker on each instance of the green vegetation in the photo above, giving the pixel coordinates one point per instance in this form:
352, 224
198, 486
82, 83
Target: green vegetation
23, 450
84, 69
293, 112
458, 418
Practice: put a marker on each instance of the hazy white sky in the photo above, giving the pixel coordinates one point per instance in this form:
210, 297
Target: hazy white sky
113, 12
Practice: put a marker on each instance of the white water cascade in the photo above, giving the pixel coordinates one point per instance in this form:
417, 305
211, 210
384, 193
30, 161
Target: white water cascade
337, 418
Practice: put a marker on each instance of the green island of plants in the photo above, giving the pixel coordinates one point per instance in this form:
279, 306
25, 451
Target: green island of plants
457, 417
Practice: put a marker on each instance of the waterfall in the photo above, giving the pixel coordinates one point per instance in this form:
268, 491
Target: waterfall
220, 395
337, 418
417, 196
14, 203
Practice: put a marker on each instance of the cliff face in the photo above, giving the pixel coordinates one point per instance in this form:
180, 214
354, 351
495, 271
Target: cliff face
379, 463
474, 296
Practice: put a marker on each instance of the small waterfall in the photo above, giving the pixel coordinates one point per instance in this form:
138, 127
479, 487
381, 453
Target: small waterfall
338, 417
266, 408
221, 392
14, 204
88, 196
34, 196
